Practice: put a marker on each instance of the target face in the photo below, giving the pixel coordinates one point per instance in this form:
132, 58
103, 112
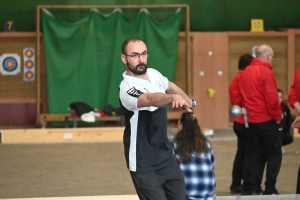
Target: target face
29, 75
28, 53
9, 64
28, 64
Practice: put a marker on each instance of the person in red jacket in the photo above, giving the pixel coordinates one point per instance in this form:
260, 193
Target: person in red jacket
259, 96
294, 98
240, 170
294, 101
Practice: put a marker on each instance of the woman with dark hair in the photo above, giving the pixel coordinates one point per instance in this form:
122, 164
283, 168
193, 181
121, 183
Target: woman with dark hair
196, 158
241, 177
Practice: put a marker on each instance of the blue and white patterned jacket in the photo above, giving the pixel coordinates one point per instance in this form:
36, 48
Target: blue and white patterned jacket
199, 175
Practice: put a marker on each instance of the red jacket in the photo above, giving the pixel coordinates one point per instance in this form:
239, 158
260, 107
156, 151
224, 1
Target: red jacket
294, 95
259, 92
235, 97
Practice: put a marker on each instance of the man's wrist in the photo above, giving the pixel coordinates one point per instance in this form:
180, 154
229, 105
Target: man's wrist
172, 97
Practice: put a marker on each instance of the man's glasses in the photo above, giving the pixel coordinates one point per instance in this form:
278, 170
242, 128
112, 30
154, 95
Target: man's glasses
137, 55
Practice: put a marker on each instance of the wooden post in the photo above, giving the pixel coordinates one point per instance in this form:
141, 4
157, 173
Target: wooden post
290, 58
38, 58
189, 81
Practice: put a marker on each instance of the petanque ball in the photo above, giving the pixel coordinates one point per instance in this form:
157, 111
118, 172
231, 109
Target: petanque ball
235, 111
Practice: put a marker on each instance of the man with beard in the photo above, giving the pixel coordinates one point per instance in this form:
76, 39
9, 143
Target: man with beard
144, 95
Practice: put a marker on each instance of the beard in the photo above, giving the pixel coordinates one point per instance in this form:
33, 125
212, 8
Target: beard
135, 70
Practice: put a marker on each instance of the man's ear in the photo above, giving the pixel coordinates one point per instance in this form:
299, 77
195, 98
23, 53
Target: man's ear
123, 58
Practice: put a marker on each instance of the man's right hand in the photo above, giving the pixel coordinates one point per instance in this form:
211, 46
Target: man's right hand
179, 102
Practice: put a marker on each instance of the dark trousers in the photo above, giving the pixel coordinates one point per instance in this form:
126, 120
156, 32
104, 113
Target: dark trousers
243, 157
287, 138
166, 183
267, 143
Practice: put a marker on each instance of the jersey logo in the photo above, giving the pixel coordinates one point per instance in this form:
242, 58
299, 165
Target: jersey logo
134, 92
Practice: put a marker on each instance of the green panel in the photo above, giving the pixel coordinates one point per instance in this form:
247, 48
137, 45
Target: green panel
205, 15
83, 58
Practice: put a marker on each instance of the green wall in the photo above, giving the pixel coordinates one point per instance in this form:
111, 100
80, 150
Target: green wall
206, 15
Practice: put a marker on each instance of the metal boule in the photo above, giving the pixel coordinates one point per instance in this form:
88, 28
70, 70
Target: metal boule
235, 111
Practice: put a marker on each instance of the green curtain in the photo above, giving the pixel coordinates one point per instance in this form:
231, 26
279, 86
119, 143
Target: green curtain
83, 57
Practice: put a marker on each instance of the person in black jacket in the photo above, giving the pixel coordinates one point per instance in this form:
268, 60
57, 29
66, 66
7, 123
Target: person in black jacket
286, 137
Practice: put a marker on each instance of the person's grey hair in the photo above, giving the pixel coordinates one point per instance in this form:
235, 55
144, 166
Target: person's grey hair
263, 51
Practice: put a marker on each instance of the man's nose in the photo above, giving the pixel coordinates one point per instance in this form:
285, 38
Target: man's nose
141, 58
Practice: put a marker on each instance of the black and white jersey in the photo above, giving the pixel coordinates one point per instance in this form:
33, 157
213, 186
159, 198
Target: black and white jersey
145, 138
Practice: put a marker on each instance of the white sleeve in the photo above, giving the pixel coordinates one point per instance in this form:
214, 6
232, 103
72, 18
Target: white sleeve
129, 96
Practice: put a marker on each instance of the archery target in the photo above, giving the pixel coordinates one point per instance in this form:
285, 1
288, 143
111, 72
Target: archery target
10, 64
29, 64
